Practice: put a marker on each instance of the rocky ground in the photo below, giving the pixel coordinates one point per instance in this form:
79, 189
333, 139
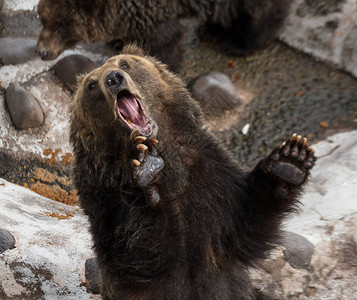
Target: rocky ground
250, 105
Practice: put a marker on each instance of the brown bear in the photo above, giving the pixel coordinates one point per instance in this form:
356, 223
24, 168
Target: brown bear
244, 25
172, 214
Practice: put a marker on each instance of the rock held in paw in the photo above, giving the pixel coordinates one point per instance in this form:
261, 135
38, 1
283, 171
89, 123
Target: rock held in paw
24, 109
68, 68
215, 92
7, 241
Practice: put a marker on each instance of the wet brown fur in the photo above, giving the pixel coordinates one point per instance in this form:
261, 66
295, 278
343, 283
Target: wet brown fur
213, 220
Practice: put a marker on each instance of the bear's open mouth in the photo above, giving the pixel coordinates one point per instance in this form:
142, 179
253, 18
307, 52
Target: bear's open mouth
131, 111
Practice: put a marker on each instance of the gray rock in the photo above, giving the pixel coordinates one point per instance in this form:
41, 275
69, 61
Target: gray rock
1, 4
319, 7
68, 68
16, 50
324, 29
92, 276
215, 92
349, 53
24, 109
7, 241
298, 250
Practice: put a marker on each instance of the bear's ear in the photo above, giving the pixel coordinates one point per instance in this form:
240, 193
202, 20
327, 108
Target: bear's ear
133, 49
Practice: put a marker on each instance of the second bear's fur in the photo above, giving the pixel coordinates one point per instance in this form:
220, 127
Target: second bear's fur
244, 25
171, 213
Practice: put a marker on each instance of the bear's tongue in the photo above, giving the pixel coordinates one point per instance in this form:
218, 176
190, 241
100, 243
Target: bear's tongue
131, 112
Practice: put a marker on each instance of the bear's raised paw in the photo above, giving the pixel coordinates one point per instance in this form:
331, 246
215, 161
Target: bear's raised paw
147, 164
291, 161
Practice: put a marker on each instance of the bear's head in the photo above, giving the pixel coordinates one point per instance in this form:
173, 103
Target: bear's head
64, 23
130, 92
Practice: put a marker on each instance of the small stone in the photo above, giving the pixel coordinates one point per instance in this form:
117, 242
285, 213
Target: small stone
68, 68
92, 276
298, 250
7, 241
16, 50
24, 109
215, 92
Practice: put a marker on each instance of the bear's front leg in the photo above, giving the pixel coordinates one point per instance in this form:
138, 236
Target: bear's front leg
273, 188
146, 166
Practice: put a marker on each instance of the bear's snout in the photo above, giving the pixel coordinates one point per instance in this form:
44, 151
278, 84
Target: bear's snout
43, 53
114, 80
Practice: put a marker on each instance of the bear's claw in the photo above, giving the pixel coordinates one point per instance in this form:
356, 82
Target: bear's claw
146, 165
291, 161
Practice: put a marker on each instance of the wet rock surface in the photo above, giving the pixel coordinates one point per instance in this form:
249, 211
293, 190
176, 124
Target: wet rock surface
323, 29
298, 250
92, 276
16, 50
24, 109
68, 68
215, 92
7, 241
53, 244
328, 221
282, 92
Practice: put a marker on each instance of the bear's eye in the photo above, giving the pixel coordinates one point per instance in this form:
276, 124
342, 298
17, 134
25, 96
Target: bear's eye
91, 85
124, 65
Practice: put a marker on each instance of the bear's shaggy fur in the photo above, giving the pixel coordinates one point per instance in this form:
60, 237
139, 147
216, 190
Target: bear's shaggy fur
193, 229
244, 25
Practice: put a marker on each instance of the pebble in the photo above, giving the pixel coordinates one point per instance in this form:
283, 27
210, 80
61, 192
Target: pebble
7, 241
215, 92
16, 50
68, 68
92, 276
24, 109
298, 250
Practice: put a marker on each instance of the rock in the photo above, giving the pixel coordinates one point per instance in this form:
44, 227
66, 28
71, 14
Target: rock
349, 54
92, 276
68, 68
16, 50
328, 221
1, 4
298, 250
24, 109
324, 29
215, 92
53, 244
7, 241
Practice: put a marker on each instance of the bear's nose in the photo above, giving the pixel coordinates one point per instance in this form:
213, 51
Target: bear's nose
114, 79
